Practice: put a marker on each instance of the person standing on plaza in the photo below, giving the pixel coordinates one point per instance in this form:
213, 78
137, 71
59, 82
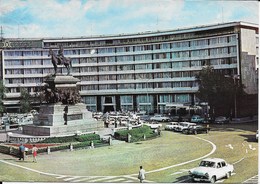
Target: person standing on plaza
34, 152
21, 152
141, 174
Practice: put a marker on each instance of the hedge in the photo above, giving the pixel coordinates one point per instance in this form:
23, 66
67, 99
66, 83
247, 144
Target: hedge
74, 138
87, 137
137, 134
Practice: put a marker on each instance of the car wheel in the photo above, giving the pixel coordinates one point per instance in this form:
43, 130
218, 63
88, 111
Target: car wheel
195, 132
213, 179
228, 175
163, 120
184, 131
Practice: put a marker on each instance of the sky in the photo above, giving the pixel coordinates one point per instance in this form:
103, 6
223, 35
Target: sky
77, 18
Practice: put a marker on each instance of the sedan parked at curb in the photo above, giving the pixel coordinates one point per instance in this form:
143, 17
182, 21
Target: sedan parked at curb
183, 125
197, 119
195, 129
211, 170
160, 117
171, 126
222, 119
153, 125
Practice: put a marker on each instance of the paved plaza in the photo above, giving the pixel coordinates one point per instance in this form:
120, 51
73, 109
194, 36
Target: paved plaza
164, 159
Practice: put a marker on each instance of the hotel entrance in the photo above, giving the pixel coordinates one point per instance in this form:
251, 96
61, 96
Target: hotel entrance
108, 104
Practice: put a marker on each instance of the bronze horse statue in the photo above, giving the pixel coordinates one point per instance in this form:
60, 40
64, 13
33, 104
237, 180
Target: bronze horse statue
59, 60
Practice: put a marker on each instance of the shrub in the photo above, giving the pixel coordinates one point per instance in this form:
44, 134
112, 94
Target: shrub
137, 134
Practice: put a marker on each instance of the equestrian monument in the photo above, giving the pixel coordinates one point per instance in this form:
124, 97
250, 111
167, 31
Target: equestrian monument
63, 113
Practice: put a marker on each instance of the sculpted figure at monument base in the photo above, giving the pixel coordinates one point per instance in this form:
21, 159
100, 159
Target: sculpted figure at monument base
63, 113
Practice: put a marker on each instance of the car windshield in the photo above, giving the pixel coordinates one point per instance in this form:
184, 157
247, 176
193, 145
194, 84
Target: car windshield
207, 164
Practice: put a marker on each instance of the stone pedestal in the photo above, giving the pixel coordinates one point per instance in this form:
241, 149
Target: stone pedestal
64, 116
51, 121
59, 114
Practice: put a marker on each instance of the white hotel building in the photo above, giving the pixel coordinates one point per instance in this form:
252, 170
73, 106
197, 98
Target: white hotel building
144, 71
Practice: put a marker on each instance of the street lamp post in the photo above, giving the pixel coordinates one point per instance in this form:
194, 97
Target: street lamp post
147, 96
235, 78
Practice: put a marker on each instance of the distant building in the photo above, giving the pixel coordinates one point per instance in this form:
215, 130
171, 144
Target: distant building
148, 71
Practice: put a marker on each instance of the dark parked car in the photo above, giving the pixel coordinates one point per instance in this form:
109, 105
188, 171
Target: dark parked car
208, 120
222, 119
195, 129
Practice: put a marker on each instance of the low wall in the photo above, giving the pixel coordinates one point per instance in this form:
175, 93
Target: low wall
62, 129
13, 150
9, 150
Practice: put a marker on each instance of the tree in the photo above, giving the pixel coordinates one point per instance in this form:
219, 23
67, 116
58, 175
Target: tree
2, 96
217, 89
25, 101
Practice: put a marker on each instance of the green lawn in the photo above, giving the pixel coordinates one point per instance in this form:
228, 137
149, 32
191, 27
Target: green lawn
124, 159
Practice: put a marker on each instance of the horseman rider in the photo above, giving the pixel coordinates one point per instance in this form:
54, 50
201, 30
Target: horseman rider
60, 55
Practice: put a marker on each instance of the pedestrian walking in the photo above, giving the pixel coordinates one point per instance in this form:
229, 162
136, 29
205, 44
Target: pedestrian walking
141, 174
34, 152
21, 151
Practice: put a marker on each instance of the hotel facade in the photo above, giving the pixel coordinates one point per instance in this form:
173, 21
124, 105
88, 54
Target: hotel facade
149, 71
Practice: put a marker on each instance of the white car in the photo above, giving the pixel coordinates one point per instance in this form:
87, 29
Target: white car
153, 125
183, 125
211, 170
171, 126
160, 117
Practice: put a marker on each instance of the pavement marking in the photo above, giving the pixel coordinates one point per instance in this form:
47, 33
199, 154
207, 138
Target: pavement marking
59, 177
251, 180
129, 181
33, 170
187, 162
176, 173
71, 178
179, 172
250, 147
114, 180
239, 161
81, 179
100, 179
230, 146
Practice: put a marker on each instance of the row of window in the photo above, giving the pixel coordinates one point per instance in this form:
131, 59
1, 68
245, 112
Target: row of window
28, 62
18, 89
140, 76
114, 86
166, 55
139, 85
28, 71
167, 65
215, 40
183, 44
197, 63
140, 99
24, 81
128, 99
130, 58
122, 58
